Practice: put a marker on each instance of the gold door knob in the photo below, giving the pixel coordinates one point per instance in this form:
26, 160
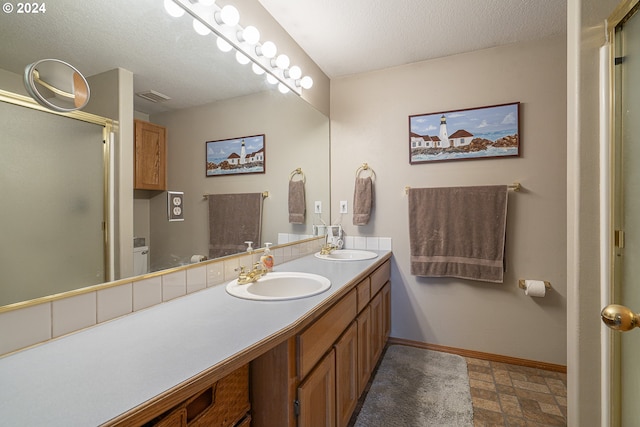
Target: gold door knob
619, 317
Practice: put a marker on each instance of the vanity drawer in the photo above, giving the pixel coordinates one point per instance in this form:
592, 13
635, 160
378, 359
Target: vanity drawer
380, 277
364, 293
318, 338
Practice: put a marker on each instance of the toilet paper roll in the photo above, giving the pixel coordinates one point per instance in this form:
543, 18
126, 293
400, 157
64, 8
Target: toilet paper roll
197, 258
534, 288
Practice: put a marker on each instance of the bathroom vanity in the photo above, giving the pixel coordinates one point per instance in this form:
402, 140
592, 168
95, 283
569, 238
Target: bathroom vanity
179, 362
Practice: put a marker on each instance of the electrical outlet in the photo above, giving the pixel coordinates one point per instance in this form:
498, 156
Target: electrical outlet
343, 206
318, 208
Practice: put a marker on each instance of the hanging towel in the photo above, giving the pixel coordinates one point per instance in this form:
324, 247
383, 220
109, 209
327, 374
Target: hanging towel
362, 200
458, 232
233, 220
297, 204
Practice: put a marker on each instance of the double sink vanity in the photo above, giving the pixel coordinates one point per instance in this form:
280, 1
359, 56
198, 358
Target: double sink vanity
295, 347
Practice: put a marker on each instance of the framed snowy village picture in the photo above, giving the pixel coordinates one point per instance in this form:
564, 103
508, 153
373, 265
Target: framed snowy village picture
474, 133
236, 156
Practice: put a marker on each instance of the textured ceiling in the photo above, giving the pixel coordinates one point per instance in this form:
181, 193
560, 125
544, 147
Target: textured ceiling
352, 36
341, 36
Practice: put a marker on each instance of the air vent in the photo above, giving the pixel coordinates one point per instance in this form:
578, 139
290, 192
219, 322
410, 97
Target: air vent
153, 96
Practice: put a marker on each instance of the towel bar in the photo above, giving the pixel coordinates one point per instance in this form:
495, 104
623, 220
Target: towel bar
265, 194
516, 186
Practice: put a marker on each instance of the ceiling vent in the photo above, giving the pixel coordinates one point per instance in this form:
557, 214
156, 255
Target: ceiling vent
153, 96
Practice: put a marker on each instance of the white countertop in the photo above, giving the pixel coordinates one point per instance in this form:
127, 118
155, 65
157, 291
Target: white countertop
92, 376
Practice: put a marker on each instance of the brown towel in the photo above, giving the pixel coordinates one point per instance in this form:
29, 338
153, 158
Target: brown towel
362, 200
297, 204
458, 232
233, 220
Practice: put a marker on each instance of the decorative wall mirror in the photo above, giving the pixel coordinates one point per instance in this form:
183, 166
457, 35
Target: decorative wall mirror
56, 85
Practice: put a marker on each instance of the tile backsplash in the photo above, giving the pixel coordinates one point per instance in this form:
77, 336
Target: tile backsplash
38, 323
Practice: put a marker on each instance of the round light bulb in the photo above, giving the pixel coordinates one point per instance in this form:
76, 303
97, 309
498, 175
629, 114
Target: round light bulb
173, 9
257, 69
282, 62
241, 58
268, 50
272, 80
306, 82
283, 88
229, 15
207, 2
200, 28
223, 45
294, 72
250, 35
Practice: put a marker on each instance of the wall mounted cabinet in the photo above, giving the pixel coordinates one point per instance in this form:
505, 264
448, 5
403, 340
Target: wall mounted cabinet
150, 156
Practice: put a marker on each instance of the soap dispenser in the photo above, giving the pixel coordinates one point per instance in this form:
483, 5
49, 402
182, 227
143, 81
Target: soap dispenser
266, 260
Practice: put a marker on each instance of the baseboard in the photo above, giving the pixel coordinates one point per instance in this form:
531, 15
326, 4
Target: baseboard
480, 355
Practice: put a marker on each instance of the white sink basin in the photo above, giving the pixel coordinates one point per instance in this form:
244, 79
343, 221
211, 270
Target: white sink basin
347, 255
280, 286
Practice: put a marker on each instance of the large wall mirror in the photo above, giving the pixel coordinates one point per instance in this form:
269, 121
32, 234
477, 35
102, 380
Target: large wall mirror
124, 48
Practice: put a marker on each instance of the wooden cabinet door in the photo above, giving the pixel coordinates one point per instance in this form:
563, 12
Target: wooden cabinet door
376, 328
364, 348
317, 395
386, 312
150, 156
346, 349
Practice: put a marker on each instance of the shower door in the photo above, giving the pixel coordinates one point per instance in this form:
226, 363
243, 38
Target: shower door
625, 387
52, 220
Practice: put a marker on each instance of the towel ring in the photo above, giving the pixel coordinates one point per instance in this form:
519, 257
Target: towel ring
297, 171
366, 167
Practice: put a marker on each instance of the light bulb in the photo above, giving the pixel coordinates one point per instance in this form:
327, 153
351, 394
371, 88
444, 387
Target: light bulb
268, 50
294, 72
207, 2
306, 82
241, 58
200, 28
272, 80
249, 35
173, 9
223, 45
229, 15
282, 62
283, 88
257, 69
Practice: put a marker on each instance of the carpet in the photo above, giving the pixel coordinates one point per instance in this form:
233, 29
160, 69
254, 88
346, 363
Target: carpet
418, 387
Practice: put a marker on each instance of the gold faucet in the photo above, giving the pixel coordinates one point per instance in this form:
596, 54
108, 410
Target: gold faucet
256, 272
327, 249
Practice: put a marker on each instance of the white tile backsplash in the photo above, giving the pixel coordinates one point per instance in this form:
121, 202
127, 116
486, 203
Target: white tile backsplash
24, 327
196, 279
215, 273
74, 313
174, 285
115, 302
147, 292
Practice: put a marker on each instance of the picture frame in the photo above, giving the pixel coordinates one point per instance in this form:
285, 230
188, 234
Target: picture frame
236, 156
472, 133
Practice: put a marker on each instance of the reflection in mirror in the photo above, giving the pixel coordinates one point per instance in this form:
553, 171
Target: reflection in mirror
212, 97
56, 85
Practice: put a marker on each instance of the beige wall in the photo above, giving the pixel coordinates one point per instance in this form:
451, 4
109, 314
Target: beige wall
369, 123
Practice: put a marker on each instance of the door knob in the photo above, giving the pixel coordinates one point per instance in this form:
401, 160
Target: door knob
619, 317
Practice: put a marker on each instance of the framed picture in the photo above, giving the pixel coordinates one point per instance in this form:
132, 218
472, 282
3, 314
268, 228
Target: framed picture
474, 133
236, 156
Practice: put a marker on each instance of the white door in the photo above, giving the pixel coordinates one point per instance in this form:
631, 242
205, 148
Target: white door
626, 220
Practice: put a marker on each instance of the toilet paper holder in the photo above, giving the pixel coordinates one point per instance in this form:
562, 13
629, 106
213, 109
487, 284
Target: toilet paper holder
521, 284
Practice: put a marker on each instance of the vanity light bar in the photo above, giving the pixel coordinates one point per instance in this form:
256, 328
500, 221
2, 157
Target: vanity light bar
210, 16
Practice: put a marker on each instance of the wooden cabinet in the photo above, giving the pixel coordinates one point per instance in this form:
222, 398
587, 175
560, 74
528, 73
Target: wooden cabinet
224, 403
346, 350
150, 156
316, 395
330, 360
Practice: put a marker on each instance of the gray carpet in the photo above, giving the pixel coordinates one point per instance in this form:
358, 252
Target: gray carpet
417, 387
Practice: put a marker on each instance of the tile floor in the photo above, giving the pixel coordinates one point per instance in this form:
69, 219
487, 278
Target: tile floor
511, 395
